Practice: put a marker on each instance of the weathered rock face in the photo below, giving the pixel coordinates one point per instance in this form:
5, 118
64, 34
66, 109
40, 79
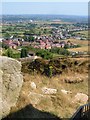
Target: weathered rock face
11, 82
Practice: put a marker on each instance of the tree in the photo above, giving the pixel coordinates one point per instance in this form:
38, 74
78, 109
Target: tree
50, 71
4, 46
31, 39
66, 46
15, 35
9, 52
44, 54
25, 37
23, 53
7, 35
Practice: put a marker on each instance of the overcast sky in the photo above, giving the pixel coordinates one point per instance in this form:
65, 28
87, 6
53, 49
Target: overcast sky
64, 8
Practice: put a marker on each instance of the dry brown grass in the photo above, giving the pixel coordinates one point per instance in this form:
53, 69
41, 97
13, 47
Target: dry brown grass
80, 42
59, 104
80, 49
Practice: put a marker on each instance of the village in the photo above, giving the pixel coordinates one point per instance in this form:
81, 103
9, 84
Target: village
47, 36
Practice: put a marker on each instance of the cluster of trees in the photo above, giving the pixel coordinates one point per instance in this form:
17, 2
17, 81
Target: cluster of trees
60, 51
39, 52
10, 53
28, 38
44, 54
74, 46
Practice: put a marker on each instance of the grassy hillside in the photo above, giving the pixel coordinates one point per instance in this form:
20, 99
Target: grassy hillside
74, 80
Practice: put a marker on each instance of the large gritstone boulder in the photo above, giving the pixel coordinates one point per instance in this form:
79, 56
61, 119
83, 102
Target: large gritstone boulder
11, 82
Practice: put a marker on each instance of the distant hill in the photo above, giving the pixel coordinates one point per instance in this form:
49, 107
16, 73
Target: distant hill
64, 18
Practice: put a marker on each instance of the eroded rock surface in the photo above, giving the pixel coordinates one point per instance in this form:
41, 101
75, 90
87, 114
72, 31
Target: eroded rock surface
11, 82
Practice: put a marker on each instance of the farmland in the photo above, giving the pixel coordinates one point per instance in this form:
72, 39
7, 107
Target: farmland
85, 33
80, 49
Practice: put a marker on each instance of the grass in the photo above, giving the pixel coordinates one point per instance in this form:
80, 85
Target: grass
80, 49
52, 22
80, 42
58, 104
83, 33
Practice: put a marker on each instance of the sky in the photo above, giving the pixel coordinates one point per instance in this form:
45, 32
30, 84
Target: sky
61, 8
45, 0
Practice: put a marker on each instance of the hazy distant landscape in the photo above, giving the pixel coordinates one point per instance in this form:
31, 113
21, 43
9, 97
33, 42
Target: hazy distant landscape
64, 18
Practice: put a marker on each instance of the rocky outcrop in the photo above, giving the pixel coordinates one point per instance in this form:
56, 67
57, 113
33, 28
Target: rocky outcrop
11, 82
66, 92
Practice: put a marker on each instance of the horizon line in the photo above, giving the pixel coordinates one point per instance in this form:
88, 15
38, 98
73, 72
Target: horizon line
46, 14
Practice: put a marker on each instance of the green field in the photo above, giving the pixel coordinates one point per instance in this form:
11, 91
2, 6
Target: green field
84, 33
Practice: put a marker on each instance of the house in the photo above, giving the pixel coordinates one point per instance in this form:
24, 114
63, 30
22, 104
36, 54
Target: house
62, 44
1, 39
12, 46
36, 46
25, 44
42, 46
16, 43
47, 46
7, 42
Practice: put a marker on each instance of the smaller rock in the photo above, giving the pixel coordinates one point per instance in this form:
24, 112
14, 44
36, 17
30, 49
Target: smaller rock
46, 90
35, 98
80, 97
66, 92
33, 85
